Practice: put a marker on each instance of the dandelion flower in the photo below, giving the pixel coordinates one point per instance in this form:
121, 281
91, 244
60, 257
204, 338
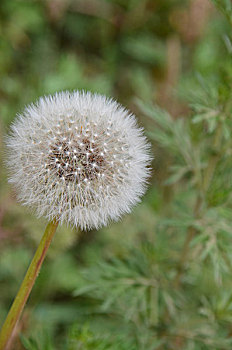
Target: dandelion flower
79, 158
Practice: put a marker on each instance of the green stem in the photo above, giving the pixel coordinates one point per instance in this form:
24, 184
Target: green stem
190, 235
26, 286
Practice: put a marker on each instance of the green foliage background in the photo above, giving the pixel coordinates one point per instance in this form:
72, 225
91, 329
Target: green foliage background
160, 278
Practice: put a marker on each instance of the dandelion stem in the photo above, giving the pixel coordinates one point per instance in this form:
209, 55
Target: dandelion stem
26, 286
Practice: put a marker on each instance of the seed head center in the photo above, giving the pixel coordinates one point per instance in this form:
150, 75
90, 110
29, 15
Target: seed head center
77, 161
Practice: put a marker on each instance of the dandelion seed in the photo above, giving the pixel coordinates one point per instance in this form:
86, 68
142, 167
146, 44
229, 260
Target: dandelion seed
60, 166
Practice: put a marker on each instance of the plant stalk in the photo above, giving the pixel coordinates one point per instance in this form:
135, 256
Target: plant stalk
26, 286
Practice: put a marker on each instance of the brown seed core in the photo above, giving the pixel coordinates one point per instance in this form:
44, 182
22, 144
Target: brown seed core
76, 161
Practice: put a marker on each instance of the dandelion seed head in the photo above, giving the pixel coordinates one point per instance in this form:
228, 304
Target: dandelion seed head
79, 158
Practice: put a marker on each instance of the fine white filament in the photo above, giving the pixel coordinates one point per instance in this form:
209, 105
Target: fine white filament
79, 158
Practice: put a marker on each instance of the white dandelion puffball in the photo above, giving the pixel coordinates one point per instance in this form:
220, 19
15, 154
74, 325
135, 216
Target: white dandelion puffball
79, 158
